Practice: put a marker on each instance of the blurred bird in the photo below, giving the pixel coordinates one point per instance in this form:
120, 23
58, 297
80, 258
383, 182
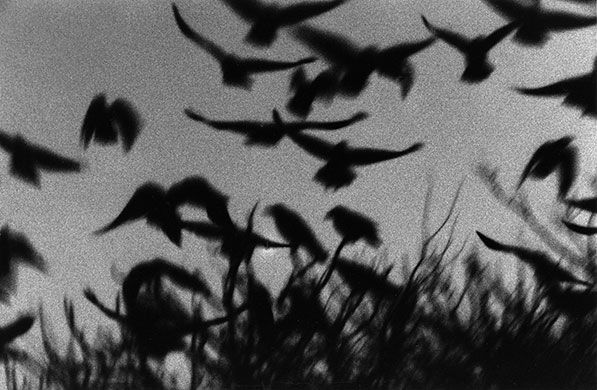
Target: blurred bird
586, 204
574, 302
270, 133
28, 159
579, 229
15, 329
353, 226
295, 230
553, 155
475, 50
340, 158
260, 310
362, 277
105, 123
236, 71
152, 202
357, 64
546, 270
578, 91
16, 248
267, 18
324, 86
536, 22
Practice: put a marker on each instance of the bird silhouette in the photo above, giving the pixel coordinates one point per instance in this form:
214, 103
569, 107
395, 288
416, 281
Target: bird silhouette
15, 329
323, 87
574, 302
105, 123
340, 158
353, 226
266, 18
475, 50
16, 248
159, 207
551, 156
270, 133
536, 22
586, 204
295, 230
357, 64
579, 229
236, 71
362, 277
28, 159
545, 268
578, 91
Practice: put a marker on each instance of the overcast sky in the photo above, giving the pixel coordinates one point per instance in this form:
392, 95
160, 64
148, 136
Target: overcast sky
56, 55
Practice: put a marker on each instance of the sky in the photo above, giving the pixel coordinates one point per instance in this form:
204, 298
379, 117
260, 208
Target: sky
57, 55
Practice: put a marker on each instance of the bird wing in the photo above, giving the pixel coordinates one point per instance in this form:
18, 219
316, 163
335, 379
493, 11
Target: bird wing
15, 329
93, 116
458, 41
194, 36
508, 8
561, 87
128, 120
256, 65
579, 229
51, 161
567, 170
561, 20
334, 47
329, 125
137, 207
587, 204
401, 51
545, 160
366, 156
247, 9
313, 145
267, 243
498, 35
6, 141
304, 10
20, 247
242, 127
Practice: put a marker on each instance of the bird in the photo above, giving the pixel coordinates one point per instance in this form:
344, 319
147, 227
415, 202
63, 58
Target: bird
236, 71
105, 123
579, 229
586, 204
16, 248
340, 158
574, 302
160, 206
270, 133
27, 159
536, 22
296, 231
546, 269
15, 329
353, 226
553, 155
362, 277
357, 64
475, 50
267, 18
578, 91
323, 87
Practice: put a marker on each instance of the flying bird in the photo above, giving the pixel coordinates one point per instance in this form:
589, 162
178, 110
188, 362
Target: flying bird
107, 122
340, 158
551, 156
580, 229
586, 204
267, 18
578, 91
296, 231
357, 64
236, 71
28, 159
270, 133
546, 269
353, 226
536, 22
323, 87
475, 50
15, 329
16, 248
159, 206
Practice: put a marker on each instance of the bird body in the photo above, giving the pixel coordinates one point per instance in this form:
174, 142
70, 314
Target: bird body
353, 226
324, 86
28, 159
236, 71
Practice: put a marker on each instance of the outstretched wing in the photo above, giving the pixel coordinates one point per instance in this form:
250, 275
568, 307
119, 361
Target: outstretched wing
18, 246
561, 87
510, 9
328, 125
545, 160
247, 9
366, 156
241, 127
579, 229
128, 121
201, 41
51, 161
313, 145
15, 329
334, 47
298, 12
401, 51
458, 41
587, 204
498, 35
562, 20
93, 117
257, 65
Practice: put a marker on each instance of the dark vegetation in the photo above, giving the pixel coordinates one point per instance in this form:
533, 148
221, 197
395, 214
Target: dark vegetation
443, 321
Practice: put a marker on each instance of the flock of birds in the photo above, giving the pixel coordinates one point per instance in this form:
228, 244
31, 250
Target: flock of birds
350, 68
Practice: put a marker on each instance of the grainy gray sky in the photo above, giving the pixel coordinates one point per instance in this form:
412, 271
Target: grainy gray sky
56, 55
